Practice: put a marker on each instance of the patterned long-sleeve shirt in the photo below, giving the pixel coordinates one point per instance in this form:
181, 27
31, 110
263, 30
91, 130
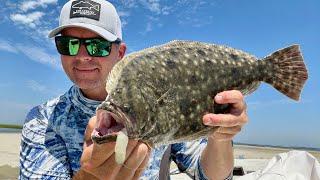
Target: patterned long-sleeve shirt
52, 140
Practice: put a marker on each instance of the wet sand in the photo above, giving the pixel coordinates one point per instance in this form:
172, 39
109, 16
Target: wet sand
251, 158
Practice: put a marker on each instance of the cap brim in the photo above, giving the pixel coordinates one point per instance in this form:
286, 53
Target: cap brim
100, 31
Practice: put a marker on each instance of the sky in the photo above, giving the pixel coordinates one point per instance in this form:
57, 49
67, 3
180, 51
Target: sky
31, 71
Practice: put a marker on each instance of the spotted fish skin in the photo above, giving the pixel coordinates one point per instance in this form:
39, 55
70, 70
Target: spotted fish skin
162, 93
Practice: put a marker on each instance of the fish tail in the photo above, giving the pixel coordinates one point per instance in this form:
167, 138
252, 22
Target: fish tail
286, 71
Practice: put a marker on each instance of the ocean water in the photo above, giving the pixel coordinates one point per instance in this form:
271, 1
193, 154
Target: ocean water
10, 130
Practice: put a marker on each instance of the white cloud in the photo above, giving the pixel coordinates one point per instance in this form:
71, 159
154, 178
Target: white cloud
25, 6
124, 22
7, 46
48, 1
37, 54
152, 5
195, 21
40, 23
29, 5
10, 5
166, 10
40, 55
35, 86
31, 19
123, 13
127, 3
147, 29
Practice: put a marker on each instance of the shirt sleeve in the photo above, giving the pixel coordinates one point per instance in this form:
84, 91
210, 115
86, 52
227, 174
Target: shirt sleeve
43, 153
187, 157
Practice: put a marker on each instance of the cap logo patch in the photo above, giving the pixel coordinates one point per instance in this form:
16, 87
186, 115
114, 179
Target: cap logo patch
85, 8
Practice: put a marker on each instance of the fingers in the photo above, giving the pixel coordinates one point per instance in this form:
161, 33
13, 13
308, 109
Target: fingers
225, 120
230, 130
100, 153
142, 167
89, 130
133, 162
87, 145
86, 156
237, 115
108, 170
233, 97
229, 124
104, 166
99, 159
94, 154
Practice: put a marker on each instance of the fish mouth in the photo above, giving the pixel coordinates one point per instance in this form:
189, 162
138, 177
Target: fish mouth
110, 121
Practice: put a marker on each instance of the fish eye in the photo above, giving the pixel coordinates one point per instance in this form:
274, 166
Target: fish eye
126, 108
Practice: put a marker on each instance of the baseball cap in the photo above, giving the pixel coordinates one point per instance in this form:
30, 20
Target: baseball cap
99, 16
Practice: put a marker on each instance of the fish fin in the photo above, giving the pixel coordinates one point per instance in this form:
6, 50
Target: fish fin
289, 71
250, 88
198, 135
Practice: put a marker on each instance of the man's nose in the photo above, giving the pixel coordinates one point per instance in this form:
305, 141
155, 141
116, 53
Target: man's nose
83, 54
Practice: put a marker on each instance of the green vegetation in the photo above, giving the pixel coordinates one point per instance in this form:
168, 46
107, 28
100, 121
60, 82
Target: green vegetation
11, 126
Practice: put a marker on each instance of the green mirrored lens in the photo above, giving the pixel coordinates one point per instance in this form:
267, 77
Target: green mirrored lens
95, 46
98, 47
67, 45
74, 45
62, 44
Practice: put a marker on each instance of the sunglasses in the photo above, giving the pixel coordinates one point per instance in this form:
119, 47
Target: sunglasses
96, 47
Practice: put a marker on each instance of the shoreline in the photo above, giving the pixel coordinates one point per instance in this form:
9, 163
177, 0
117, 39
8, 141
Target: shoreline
9, 149
277, 147
250, 157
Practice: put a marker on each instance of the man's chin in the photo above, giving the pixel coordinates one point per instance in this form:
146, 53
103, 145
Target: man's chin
87, 84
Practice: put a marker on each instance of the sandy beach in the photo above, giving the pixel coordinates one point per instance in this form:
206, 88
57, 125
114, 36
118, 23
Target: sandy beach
9, 155
251, 158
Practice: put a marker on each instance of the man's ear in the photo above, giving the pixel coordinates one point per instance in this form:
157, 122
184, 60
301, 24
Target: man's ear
122, 50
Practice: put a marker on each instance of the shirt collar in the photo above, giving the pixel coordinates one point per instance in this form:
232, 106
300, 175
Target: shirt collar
79, 100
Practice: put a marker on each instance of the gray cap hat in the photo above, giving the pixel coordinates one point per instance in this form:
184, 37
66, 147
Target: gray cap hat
99, 16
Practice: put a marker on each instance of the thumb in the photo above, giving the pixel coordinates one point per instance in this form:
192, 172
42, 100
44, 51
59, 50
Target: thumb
88, 144
88, 132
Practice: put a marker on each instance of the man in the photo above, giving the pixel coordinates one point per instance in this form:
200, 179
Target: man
56, 140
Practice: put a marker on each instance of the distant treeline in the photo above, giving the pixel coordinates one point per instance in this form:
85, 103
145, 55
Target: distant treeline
10, 126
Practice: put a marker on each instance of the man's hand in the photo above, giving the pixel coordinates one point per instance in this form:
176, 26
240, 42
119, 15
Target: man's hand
99, 160
229, 124
217, 157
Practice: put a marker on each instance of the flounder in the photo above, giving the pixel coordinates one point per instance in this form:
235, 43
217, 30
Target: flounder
160, 94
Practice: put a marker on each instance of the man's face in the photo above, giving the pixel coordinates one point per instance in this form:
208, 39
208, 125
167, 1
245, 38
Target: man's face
86, 71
